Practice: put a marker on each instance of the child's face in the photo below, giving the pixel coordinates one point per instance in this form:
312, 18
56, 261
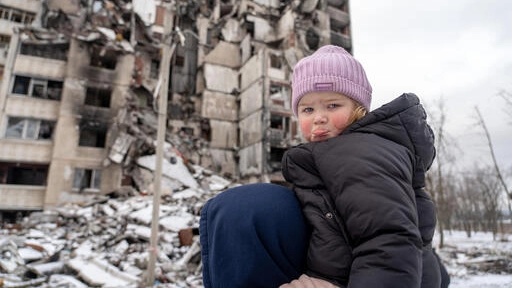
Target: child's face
323, 115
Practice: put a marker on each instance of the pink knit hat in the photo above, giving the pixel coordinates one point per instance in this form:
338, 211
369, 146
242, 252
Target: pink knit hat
331, 68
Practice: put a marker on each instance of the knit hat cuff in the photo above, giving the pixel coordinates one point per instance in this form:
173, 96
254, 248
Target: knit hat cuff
330, 83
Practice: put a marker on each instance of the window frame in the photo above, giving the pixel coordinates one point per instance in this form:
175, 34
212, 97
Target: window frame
94, 178
32, 82
36, 123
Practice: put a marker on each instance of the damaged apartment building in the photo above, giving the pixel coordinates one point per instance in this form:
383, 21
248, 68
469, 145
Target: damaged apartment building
81, 78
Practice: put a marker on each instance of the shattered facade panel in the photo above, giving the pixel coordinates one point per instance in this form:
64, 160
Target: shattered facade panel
249, 103
220, 78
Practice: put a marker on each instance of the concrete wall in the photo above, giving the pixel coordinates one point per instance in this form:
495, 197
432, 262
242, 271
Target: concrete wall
220, 78
251, 160
13, 150
223, 134
25, 5
223, 161
224, 54
251, 71
19, 197
251, 99
220, 106
251, 129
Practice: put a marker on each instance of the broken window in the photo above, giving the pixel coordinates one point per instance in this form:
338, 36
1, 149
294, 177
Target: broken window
16, 15
154, 69
23, 173
187, 131
279, 95
179, 61
276, 155
52, 51
4, 12
92, 134
103, 58
4, 40
275, 61
312, 38
98, 97
279, 127
39, 88
86, 179
26, 128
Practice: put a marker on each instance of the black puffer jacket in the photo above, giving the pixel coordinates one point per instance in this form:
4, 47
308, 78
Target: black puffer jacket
360, 192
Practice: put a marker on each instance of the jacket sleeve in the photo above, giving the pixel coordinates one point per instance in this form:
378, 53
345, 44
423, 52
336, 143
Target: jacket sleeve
371, 184
328, 255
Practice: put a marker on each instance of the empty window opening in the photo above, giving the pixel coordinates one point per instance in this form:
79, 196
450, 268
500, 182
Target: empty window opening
23, 173
279, 127
103, 58
98, 97
52, 51
278, 121
38, 88
275, 61
155, 69
16, 15
278, 94
276, 155
179, 61
312, 38
4, 40
249, 26
87, 179
92, 135
187, 131
26, 128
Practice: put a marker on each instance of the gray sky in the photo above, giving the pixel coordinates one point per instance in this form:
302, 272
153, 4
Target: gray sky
460, 50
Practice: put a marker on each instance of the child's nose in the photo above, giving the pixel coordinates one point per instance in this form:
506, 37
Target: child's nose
319, 118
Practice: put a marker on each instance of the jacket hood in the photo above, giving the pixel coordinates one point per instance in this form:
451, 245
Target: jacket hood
403, 121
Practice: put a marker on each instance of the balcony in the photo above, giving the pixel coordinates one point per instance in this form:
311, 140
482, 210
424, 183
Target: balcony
277, 138
22, 197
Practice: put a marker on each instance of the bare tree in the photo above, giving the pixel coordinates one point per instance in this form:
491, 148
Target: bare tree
437, 178
467, 196
507, 96
499, 175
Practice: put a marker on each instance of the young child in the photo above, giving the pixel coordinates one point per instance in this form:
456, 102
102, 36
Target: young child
360, 178
364, 219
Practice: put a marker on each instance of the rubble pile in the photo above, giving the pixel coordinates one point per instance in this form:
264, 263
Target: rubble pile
480, 259
103, 240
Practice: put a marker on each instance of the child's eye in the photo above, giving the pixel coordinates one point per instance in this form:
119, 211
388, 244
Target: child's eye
307, 110
333, 105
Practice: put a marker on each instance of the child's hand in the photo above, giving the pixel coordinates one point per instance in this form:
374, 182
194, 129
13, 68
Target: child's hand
305, 281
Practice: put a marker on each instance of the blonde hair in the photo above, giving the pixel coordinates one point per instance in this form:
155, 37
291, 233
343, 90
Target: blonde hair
358, 113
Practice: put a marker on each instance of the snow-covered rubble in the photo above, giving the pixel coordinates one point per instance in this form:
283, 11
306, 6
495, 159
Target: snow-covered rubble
104, 242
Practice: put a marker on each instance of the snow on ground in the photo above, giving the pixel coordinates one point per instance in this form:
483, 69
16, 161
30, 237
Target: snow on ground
455, 256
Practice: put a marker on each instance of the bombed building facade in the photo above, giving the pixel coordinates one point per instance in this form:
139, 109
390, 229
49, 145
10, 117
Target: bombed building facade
81, 78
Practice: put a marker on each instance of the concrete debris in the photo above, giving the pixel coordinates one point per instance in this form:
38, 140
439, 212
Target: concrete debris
105, 244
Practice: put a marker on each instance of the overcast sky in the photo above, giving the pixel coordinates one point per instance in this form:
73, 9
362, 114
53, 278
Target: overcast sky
460, 50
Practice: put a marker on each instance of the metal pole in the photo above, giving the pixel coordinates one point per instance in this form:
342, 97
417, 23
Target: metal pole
167, 52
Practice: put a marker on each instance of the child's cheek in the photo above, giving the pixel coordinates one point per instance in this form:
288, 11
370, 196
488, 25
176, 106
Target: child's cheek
305, 128
340, 121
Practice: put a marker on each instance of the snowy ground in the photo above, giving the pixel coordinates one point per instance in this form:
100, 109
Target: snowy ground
455, 256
